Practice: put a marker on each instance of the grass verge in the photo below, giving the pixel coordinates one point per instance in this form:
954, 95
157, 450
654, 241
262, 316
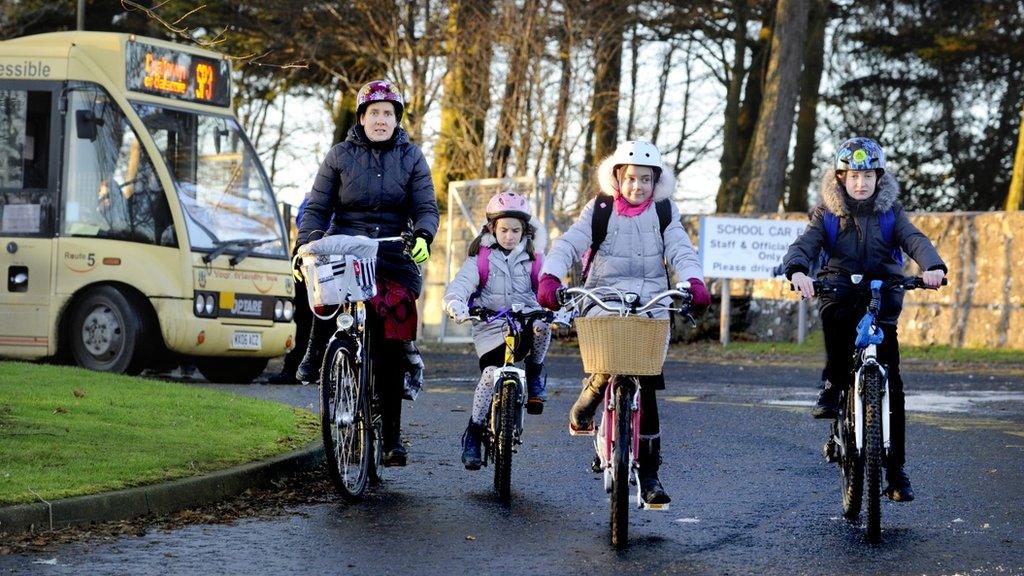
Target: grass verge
67, 431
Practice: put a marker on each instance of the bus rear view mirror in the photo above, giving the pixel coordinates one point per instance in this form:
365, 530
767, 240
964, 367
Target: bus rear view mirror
85, 124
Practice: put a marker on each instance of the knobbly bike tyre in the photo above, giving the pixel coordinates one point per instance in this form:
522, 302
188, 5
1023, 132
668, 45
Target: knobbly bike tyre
506, 427
851, 465
873, 453
347, 446
620, 468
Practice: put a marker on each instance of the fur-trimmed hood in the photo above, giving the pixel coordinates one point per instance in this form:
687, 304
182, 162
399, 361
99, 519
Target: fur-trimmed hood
833, 195
540, 238
607, 183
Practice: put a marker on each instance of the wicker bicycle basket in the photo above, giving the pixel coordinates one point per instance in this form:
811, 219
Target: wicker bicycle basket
622, 345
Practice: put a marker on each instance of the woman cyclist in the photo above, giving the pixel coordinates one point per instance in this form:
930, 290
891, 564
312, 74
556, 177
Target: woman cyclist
376, 184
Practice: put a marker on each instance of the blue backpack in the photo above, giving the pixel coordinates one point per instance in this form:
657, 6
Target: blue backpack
886, 221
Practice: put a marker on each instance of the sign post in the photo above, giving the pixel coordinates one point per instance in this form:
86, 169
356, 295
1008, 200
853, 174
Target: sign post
748, 248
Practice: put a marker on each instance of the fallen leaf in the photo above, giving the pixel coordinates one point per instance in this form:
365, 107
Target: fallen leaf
470, 537
79, 393
60, 410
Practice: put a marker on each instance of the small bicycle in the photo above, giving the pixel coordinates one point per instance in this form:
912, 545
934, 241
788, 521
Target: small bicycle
625, 346
859, 437
504, 430
341, 276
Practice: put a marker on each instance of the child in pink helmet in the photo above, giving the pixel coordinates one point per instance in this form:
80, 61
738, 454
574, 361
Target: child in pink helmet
512, 242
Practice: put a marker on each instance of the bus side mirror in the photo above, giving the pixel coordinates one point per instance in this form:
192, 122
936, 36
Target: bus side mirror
85, 124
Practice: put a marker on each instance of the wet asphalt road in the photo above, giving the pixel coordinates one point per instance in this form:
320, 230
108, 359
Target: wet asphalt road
751, 493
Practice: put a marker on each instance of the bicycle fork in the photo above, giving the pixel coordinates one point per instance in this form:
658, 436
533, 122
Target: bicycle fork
870, 362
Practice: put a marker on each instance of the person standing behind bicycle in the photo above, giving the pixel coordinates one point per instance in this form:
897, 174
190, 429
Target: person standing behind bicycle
635, 187
513, 243
860, 204
377, 184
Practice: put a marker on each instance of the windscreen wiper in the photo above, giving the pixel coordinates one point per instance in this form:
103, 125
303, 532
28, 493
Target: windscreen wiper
249, 247
222, 246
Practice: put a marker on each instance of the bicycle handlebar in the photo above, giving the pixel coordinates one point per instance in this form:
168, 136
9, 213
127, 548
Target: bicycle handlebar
907, 283
625, 306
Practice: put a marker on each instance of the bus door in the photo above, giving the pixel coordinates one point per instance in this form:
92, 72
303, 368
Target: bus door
29, 181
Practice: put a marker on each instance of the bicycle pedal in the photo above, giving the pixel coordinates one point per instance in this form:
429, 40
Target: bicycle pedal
654, 507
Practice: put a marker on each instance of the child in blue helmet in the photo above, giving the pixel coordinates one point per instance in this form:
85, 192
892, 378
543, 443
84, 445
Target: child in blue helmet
859, 200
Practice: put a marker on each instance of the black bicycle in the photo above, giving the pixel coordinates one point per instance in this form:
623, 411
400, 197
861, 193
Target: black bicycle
350, 414
859, 437
504, 431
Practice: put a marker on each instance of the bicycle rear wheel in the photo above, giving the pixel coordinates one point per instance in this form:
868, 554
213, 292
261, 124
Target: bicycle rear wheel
344, 419
506, 419
873, 451
851, 465
620, 466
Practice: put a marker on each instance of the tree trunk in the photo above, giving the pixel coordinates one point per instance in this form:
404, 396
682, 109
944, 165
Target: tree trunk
607, 78
344, 114
765, 166
634, 49
516, 89
666, 68
1016, 192
459, 148
807, 118
730, 162
565, 46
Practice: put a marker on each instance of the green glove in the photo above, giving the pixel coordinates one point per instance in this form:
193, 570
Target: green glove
420, 253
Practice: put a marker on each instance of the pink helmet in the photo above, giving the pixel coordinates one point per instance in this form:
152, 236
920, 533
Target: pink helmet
379, 91
508, 205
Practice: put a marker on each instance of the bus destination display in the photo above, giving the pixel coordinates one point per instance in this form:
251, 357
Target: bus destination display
177, 74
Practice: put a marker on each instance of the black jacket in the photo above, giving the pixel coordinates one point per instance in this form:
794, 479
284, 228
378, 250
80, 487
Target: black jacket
374, 191
859, 246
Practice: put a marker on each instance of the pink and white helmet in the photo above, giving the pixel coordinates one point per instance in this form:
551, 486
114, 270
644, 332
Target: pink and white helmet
508, 205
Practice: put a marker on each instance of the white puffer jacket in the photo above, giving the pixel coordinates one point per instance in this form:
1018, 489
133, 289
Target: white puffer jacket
633, 255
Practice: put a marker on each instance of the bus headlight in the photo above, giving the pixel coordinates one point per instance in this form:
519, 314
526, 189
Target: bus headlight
278, 310
289, 310
208, 308
205, 304
199, 304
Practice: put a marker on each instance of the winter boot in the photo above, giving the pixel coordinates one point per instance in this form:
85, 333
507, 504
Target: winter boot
309, 368
827, 406
536, 384
395, 453
899, 489
581, 415
413, 380
471, 457
649, 461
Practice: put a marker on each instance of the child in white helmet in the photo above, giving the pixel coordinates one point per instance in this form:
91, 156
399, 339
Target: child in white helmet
501, 272
630, 231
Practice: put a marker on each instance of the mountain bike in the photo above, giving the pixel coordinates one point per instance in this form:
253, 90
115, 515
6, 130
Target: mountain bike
504, 430
341, 276
626, 345
858, 441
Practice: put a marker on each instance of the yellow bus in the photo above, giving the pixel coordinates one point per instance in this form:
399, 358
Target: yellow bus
137, 225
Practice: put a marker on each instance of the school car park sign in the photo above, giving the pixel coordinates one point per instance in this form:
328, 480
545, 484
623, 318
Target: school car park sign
745, 247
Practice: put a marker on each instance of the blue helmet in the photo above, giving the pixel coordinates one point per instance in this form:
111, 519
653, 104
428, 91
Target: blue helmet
860, 154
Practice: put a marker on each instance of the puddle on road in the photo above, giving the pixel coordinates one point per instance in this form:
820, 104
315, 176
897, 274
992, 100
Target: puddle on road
945, 403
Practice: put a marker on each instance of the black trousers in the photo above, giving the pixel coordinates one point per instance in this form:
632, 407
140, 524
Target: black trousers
303, 321
839, 323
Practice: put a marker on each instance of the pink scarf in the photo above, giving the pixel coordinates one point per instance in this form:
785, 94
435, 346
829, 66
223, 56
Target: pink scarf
624, 208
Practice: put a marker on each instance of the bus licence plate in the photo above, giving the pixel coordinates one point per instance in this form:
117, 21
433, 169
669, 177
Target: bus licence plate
246, 341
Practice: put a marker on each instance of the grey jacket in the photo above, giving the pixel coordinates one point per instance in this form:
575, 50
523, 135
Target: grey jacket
371, 191
633, 255
508, 285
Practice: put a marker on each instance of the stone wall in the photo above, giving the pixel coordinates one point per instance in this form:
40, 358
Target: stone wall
981, 308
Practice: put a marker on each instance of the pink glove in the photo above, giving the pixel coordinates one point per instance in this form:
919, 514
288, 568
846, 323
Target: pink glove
701, 298
546, 289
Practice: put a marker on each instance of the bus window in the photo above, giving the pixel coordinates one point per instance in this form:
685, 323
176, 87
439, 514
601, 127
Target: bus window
25, 191
112, 189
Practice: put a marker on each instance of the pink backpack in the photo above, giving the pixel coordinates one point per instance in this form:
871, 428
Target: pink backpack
483, 266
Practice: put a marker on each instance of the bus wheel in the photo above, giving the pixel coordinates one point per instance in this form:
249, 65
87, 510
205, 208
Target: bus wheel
108, 332
231, 370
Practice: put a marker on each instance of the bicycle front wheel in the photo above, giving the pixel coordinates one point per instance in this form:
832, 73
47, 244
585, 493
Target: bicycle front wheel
851, 465
344, 419
873, 452
506, 417
620, 467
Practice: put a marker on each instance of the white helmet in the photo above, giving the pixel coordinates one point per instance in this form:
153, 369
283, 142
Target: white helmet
637, 153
